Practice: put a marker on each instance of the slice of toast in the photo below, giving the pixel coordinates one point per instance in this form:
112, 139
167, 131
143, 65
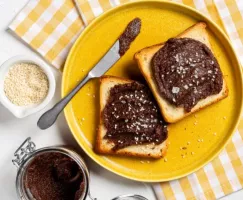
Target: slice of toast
144, 57
104, 146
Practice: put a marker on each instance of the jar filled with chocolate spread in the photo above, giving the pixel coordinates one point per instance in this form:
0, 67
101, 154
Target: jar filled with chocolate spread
50, 173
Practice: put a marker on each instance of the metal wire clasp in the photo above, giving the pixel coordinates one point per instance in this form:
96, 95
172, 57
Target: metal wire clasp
25, 149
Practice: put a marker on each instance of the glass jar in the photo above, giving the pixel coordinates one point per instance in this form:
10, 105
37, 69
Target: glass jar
27, 152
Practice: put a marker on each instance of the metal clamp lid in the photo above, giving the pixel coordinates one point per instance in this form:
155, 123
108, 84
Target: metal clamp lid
25, 149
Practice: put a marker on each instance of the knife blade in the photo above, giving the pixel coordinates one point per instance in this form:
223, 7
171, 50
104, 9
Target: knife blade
106, 62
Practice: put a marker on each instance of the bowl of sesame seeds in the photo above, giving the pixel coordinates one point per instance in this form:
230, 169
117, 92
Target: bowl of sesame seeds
27, 85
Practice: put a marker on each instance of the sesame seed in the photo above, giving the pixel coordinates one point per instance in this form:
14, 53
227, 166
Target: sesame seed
165, 159
188, 143
175, 90
186, 87
214, 134
192, 153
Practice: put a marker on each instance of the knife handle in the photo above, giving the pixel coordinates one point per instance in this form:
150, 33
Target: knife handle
50, 116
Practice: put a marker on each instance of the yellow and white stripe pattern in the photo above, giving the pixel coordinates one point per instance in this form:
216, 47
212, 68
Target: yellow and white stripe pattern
50, 27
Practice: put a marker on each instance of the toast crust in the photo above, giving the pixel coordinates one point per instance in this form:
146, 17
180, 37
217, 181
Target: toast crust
104, 146
170, 112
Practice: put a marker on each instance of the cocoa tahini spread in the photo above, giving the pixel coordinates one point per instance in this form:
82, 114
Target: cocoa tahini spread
186, 71
131, 32
54, 176
131, 117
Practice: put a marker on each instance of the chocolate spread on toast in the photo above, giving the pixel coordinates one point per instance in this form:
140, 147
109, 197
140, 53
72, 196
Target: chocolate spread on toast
131, 116
185, 72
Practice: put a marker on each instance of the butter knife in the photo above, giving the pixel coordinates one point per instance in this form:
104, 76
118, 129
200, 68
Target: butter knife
117, 50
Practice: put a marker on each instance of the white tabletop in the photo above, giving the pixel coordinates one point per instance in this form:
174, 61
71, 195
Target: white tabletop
13, 131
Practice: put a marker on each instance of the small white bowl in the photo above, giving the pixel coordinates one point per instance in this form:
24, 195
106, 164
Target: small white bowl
23, 111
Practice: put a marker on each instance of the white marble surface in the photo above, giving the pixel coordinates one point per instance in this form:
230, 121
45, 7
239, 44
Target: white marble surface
104, 185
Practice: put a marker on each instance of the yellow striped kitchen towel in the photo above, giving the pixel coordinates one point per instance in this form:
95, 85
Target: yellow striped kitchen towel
51, 26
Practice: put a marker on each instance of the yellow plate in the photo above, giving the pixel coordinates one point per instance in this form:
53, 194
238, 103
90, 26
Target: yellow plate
203, 134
